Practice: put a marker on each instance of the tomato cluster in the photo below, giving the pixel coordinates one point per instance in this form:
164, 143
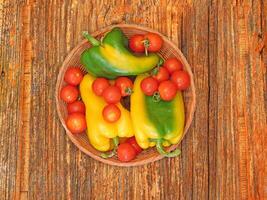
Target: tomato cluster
75, 121
150, 42
112, 94
166, 80
128, 150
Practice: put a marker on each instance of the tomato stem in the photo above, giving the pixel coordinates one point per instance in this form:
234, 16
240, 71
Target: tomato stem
128, 91
113, 152
156, 97
146, 44
156, 69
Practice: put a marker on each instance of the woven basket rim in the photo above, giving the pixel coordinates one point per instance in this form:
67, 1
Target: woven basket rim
72, 137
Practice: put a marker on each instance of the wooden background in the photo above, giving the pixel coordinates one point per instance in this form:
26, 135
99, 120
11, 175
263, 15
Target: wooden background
223, 154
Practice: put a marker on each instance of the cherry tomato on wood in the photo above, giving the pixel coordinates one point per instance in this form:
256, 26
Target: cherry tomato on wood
181, 79
132, 141
173, 64
125, 84
73, 76
112, 94
167, 90
126, 152
136, 43
111, 113
69, 93
153, 42
76, 123
161, 74
76, 106
149, 85
99, 85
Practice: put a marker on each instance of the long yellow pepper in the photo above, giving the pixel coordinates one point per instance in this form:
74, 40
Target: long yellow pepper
99, 131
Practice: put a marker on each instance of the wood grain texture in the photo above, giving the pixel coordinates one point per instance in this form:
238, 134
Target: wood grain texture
224, 152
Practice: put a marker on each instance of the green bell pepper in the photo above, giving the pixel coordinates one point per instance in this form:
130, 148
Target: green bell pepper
156, 123
110, 58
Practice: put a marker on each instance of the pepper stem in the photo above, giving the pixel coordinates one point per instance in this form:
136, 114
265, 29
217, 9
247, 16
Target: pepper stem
91, 39
113, 152
161, 150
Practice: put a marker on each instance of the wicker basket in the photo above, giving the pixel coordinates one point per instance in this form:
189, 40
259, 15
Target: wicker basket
81, 140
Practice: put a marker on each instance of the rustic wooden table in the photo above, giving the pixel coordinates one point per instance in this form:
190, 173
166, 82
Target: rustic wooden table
223, 154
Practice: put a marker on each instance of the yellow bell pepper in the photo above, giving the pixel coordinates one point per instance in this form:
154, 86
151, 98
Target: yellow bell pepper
99, 131
156, 123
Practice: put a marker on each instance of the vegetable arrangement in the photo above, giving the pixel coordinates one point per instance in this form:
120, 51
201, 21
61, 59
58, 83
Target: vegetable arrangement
119, 70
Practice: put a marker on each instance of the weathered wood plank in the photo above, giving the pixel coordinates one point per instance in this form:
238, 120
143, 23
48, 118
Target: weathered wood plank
199, 51
234, 56
213, 98
226, 160
256, 88
10, 70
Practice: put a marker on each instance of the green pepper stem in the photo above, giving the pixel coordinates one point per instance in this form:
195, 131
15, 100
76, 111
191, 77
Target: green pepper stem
113, 152
91, 39
161, 150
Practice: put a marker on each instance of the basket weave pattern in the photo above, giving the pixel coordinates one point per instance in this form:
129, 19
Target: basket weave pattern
81, 140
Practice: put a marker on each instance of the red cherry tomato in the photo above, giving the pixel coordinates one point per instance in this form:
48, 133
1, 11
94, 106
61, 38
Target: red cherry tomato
181, 79
149, 85
112, 94
125, 84
173, 64
167, 90
132, 141
76, 107
69, 93
76, 123
73, 76
99, 85
126, 152
161, 75
154, 42
136, 43
111, 113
